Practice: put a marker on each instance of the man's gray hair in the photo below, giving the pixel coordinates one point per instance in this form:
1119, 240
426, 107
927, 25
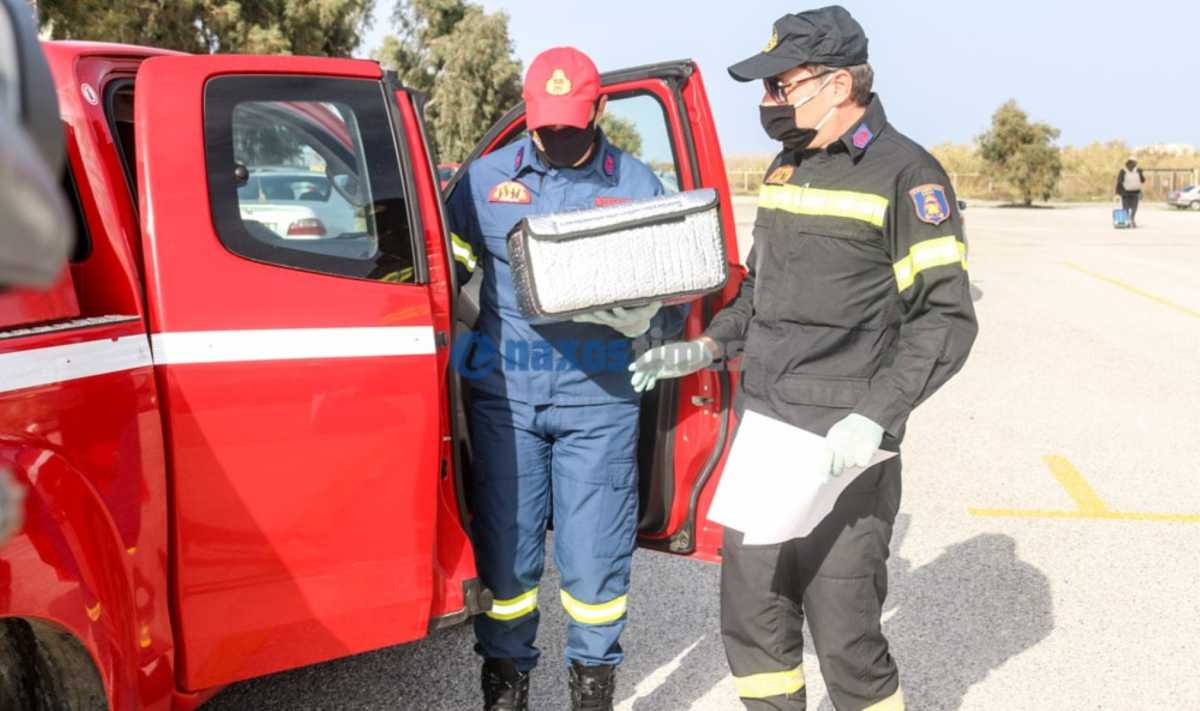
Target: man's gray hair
862, 76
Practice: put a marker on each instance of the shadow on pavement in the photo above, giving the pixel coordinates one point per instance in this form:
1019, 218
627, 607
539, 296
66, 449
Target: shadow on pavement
951, 622
672, 643
959, 617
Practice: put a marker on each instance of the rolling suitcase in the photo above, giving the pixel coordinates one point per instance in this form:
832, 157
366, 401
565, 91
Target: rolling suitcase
1121, 219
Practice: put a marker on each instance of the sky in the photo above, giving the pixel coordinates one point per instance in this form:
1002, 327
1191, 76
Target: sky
1096, 70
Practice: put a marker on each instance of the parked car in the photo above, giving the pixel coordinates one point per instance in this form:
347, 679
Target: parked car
246, 452
1186, 198
298, 204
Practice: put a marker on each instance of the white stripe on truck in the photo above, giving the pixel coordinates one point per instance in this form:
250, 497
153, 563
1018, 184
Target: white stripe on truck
56, 364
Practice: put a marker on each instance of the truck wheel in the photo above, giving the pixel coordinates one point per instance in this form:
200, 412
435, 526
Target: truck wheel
43, 668
1195, 205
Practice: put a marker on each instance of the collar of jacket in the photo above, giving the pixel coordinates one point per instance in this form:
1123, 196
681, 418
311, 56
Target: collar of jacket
874, 120
603, 163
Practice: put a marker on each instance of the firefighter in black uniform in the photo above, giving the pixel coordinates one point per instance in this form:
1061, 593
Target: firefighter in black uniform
855, 309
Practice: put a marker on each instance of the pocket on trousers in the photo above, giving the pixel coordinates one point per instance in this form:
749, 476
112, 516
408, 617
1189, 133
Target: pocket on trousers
616, 520
622, 473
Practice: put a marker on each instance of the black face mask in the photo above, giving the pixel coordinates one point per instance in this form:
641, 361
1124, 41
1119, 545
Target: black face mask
564, 147
780, 124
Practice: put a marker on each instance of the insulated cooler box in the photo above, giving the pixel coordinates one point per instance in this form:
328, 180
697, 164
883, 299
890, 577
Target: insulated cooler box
669, 249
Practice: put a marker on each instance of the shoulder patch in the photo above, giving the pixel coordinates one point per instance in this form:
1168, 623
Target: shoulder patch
605, 201
780, 175
610, 164
931, 203
862, 136
512, 192
519, 159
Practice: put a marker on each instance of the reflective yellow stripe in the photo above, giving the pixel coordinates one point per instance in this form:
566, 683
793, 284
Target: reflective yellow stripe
936, 252
829, 203
513, 608
462, 252
764, 686
594, 614
895, 702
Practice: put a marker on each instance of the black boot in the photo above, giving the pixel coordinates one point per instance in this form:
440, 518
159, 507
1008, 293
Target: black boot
592, 688
504, 688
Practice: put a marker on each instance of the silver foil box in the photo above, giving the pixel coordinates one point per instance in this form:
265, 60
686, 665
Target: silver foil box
669, 249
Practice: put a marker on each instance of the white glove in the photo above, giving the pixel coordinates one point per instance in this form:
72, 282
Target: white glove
852, 442
673, 360
630, 322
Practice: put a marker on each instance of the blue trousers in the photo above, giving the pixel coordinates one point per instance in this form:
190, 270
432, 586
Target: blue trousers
578, 462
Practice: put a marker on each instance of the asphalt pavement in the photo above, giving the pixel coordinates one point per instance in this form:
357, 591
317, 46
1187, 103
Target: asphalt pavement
1047, 554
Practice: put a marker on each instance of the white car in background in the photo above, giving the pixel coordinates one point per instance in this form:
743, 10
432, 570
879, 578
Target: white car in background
1188, 197
297, 204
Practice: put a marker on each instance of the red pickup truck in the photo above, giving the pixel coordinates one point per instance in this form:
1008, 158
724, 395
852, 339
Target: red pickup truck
239, 430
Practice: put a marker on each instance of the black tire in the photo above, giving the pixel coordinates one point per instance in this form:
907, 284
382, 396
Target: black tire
42, 668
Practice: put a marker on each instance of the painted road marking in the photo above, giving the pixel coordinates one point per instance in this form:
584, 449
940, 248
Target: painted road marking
1090, 506
1134, 290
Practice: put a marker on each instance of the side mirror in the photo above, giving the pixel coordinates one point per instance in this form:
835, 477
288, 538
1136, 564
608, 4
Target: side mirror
37, 235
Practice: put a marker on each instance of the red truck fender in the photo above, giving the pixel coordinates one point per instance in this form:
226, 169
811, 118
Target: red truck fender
75, 580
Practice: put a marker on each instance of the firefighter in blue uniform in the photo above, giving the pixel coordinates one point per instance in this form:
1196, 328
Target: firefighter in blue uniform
554, 419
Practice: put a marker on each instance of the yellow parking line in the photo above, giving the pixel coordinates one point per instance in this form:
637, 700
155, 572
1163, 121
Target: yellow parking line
1071, 480
1089, 504
1108, 515
1134, 290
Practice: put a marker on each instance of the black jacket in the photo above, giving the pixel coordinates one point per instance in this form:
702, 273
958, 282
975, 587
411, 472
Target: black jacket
857, 297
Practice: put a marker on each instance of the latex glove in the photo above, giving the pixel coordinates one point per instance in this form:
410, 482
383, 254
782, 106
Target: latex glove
630, 322
673, 360
852, 442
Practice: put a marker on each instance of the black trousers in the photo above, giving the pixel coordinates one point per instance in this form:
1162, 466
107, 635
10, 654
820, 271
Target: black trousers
1129, 201
837, 576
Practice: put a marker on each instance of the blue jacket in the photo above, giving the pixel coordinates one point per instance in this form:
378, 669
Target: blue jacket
553, 364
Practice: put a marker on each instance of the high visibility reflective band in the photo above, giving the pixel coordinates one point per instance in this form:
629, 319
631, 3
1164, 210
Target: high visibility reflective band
513, 608
895, 702
799, 200
764, 686
463, 253
931, 253
600, 614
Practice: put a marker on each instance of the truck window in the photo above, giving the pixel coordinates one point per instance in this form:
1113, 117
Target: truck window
303, 172
118, 107
83, 240
637, 124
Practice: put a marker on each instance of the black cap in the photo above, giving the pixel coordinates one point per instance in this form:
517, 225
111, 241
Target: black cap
828, 36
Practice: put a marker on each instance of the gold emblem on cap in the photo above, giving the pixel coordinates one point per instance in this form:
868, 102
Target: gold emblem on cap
558, 84
773, 42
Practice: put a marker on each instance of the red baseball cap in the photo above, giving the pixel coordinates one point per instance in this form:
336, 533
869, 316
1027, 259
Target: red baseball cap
561, 87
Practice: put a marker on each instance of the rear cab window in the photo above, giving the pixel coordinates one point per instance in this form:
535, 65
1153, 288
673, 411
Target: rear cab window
303, 173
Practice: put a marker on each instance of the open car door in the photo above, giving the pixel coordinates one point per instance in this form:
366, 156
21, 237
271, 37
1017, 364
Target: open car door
297, 294
660, 114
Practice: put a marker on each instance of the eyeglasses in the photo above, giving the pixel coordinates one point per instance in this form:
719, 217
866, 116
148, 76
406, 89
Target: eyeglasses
779, 91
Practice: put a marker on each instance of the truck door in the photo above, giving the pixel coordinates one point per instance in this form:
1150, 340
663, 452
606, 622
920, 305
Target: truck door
660, 114
297, 354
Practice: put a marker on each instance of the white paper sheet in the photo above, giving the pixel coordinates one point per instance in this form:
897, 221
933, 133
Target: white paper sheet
773, 487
